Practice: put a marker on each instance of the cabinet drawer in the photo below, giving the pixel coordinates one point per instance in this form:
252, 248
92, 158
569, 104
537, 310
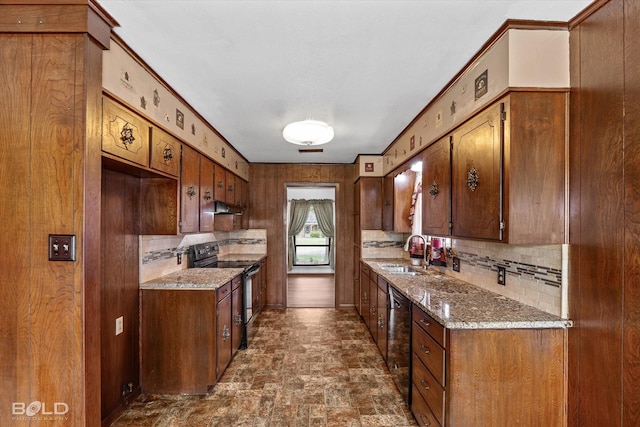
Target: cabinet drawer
124, 134
236, 282
421, 410
224, 291
430, 390
426, 322
429, 352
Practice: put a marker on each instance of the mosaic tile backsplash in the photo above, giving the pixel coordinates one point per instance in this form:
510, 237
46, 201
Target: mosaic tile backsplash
536, 275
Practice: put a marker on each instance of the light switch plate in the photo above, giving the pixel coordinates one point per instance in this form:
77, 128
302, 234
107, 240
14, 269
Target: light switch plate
62, 247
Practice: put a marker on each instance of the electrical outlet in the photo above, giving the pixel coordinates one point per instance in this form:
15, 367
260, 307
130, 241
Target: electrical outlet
456, 264
502, 276
179, 257
119, 325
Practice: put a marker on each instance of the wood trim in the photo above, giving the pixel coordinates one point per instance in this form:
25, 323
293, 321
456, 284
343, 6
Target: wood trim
586, 12
53, 17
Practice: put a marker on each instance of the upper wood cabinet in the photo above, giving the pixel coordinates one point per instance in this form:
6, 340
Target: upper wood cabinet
206, 194
165, 152
190, 191
397, 193
403, 187
231, 188
476, 180
124, 133
508, 171
436, 188
220, 184
368, 198
387, 203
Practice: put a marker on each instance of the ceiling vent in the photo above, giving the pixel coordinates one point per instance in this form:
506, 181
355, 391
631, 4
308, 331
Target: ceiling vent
310, 150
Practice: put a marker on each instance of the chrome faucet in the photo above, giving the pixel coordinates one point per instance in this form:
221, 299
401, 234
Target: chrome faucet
425, 254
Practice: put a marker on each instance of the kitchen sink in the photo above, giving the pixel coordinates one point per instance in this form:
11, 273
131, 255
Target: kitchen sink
399, 269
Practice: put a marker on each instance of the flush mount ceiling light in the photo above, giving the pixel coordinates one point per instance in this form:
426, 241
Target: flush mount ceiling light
308, 132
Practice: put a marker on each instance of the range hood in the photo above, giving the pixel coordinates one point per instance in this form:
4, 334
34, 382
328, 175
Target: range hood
223, 208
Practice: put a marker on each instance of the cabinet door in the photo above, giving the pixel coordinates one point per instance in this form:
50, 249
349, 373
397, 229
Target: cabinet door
403, 186
373, 305
221, 184
370, 203
231, 187
387, 203
223, 335
124, 134
190, 191
476, 180
236, 311
364, 294
436, 188
165, 152
383, 327
206, 194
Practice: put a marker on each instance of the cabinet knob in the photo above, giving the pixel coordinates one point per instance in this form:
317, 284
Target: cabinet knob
424, 420
425, 349
424, 384
424, 322
167, 155
191, 191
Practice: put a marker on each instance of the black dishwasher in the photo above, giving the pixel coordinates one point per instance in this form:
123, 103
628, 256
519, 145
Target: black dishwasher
398, 350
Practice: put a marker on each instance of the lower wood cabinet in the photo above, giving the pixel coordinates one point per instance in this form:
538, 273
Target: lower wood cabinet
188, 337
486, 377
223, 329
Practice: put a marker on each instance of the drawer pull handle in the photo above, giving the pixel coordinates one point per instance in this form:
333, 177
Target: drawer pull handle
423, 418
424, 384
425, 349
424, 322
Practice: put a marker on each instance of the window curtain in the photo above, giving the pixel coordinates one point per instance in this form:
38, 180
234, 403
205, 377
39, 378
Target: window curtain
298, 212
324, 214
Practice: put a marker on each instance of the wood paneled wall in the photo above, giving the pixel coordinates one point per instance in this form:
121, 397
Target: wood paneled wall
268, 203
119, 288
50, 87
604, 291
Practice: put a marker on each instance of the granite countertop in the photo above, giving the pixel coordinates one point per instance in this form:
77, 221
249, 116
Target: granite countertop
461, 305
194, 279
242, 257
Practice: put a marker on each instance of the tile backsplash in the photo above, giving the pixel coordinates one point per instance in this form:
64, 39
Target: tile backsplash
536, 275
158, 254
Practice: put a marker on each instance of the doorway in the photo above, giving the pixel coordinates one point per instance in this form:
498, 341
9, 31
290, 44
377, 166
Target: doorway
310, 245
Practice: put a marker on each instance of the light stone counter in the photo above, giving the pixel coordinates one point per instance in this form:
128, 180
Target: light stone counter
460, 305
193, 279
241, 257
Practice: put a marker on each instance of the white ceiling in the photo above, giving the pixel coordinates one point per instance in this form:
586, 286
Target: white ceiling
365, 67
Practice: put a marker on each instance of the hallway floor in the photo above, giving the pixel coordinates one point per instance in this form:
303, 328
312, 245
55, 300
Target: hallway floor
311, 290
304, 367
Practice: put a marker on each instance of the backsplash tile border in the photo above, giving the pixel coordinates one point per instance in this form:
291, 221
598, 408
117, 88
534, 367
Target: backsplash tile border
159, 255
536, 273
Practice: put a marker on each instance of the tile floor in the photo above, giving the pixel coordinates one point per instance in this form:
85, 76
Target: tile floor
304, 367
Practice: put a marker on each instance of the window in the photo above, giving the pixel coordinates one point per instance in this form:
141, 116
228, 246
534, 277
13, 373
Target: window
311, 246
